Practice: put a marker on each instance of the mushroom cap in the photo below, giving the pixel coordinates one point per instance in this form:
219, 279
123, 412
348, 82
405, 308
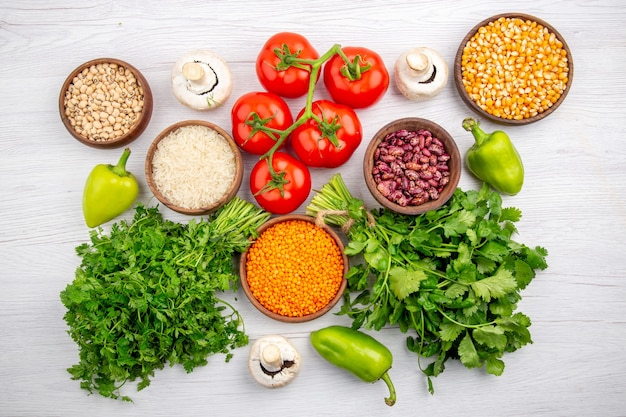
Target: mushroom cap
273, 361
420, 73
201, 80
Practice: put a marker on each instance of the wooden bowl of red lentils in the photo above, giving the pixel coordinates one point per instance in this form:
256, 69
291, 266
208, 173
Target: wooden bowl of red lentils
412, 166
295, 270
105, 103
194, 167
513, 68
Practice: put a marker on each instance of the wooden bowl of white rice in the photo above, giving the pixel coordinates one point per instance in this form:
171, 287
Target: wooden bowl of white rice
194, 167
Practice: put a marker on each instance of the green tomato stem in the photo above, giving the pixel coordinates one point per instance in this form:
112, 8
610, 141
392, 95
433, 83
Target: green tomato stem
315, 66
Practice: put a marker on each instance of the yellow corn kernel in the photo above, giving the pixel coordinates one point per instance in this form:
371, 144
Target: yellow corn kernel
521, 68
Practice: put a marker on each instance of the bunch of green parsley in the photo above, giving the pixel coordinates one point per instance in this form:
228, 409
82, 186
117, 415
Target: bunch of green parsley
147, 294
452, 276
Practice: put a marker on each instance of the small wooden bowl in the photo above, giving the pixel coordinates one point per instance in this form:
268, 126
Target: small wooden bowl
414, 124
286, 319
231, 191
94, 104
472, 104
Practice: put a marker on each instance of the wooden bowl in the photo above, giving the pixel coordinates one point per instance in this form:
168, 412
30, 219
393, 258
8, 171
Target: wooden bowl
526, 118
413, 124
103, 112
231, 190
287, 319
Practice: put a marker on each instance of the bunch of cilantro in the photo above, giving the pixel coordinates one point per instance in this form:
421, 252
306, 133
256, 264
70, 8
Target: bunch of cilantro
147, 294
452, 276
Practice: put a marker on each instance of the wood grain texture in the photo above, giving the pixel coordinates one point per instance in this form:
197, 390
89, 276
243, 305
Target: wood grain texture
573, 203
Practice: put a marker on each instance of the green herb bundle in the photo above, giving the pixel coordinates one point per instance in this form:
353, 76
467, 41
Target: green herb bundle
147, 294
451, 275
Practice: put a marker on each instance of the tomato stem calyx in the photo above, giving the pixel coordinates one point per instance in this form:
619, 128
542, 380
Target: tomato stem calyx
353, 70
278, 180
259, 124
290, 59
329, 129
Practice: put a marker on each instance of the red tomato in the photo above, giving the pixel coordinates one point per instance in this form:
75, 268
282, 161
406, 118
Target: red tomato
365, 88
295, 190
287, 81
272, 112
310, 141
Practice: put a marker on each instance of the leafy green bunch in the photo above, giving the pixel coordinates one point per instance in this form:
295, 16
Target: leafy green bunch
147, 294
452, 275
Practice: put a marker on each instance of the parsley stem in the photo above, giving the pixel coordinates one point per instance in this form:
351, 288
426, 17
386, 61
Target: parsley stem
469, 326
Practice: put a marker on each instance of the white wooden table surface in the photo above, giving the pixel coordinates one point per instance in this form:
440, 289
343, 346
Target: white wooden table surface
573, 203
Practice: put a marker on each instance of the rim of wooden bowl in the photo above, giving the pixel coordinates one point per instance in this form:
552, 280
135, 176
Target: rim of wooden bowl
139, 126
232, 190
414, 124
458, 71
308, 317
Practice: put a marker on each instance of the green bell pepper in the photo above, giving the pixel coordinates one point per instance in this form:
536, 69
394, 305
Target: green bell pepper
356, 352
494, 159
109, 191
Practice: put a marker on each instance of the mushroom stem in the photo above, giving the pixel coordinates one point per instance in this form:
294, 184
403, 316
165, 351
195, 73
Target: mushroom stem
193, 71
273, 361
420, 64
271, 358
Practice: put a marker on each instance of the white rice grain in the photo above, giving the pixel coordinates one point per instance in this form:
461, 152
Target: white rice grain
193, 166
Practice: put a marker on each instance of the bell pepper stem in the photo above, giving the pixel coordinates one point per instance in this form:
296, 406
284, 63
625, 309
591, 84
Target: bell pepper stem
120, 168
472, 125
391, 400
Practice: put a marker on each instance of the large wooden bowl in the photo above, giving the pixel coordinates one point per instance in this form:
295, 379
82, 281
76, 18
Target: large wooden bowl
93, 104
479, 108
414, 124
287, 319
232, 189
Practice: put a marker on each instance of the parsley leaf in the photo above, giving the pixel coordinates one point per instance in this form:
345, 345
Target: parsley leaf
404, 282
495, 286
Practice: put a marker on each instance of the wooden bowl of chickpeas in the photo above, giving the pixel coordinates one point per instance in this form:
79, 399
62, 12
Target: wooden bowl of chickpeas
513, 68
105, 103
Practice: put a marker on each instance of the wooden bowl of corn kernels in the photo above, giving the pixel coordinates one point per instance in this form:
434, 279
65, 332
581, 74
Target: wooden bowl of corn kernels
105, 103
513, 68
295, 270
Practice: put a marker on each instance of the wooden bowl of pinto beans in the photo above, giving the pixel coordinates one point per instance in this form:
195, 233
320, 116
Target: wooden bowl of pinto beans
295, 270
412, 166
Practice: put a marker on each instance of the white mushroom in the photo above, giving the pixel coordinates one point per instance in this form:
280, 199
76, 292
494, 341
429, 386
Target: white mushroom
420, 73
273, 361
201, 80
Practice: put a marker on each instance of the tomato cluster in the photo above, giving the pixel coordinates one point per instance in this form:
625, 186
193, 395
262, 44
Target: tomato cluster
325, 134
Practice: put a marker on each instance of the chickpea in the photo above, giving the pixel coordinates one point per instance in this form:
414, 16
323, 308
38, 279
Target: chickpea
96, 105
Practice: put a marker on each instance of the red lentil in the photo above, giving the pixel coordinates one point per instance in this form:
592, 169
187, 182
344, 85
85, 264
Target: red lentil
294, 268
